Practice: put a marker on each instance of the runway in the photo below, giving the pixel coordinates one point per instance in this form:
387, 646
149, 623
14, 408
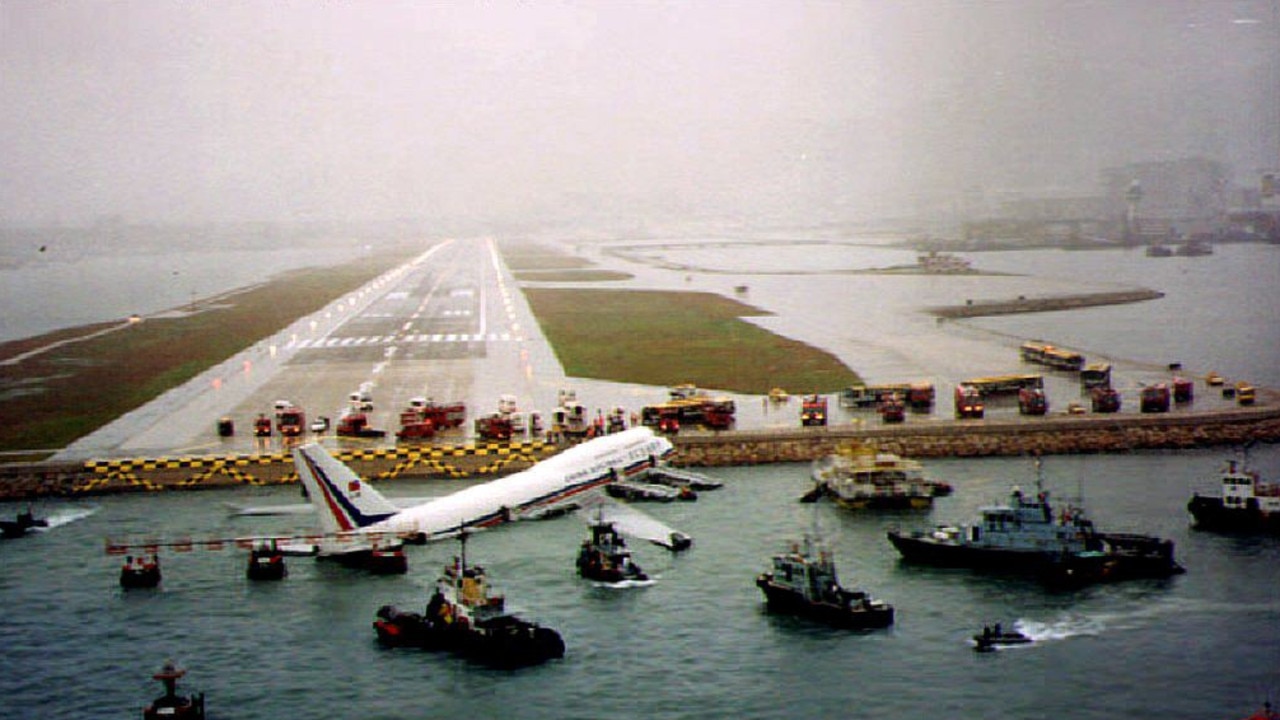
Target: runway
449, 325
453, 325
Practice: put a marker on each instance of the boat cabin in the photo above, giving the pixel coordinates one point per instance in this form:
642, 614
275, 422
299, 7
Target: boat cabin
805, 573
1242, 490
1028, 523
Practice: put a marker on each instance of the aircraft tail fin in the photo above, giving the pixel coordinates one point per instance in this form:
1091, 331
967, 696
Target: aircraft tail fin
344, 502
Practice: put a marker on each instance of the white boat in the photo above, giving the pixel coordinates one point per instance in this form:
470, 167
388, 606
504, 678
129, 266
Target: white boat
862, 478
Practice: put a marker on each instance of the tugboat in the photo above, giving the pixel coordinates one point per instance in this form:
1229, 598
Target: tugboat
21, 523
992, 638
863, 479
464, 618
171, 704
605, 557
804, 582
140, 572
1246, 504
1025, 536
266, 562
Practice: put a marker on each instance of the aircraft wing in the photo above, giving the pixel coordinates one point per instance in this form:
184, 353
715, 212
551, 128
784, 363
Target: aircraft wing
633, 522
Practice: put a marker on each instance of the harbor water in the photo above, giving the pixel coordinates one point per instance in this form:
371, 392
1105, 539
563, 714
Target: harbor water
58, 290
697, 643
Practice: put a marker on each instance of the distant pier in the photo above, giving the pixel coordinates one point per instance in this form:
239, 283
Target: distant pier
1025, 304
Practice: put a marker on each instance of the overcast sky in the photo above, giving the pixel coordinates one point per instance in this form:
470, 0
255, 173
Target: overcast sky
783, 111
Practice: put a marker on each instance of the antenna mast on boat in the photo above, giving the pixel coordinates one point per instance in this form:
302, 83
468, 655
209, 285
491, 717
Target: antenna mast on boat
1039, 475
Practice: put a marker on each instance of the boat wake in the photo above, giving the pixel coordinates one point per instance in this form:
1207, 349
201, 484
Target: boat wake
1075, 625
64, 517
624, 584
1061, 629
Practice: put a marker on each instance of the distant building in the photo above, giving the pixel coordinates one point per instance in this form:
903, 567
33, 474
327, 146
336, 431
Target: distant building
1175, 191
943, 263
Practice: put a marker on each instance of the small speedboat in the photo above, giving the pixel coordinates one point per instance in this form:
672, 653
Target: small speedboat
21, 523
992, 638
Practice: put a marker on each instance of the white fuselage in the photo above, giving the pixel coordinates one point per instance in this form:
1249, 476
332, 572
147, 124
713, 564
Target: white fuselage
551, 484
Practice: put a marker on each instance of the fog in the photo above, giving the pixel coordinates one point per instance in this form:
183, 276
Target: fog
617, 114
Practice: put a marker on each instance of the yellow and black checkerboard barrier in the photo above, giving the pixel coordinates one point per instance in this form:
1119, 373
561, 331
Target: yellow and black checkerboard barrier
142, 473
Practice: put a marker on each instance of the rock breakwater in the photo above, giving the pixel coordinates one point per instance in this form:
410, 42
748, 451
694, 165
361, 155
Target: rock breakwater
1052, 435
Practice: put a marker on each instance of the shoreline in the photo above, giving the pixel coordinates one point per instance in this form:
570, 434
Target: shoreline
1054, 435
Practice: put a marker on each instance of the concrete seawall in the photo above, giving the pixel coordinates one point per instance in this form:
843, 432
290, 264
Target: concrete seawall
1053, 435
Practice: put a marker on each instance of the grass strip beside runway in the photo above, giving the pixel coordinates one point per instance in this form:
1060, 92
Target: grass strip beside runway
668, 338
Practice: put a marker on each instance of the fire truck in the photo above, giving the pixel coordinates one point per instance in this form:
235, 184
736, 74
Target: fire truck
688, 405
920, 395
1155, 398
493, 427
969, 402
813, 410
1031, 401
291, 421
1183, 390
424, 417
262, 426
1105, 400
356, 424
893, 410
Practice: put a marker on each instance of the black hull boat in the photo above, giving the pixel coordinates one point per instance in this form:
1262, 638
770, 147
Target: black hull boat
845, 609
21, 524
604, 557
1026, 537
463, 617
1244, 505
1124, 557
1108, 557
171, 705
803, 582
505, 642
991, 639
140, 572
266, 562
1210, 514
938, 549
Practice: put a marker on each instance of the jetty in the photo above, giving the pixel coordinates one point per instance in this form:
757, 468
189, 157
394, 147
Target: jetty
1024, 304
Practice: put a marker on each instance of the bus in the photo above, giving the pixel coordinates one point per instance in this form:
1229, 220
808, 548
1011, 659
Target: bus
1096, 375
